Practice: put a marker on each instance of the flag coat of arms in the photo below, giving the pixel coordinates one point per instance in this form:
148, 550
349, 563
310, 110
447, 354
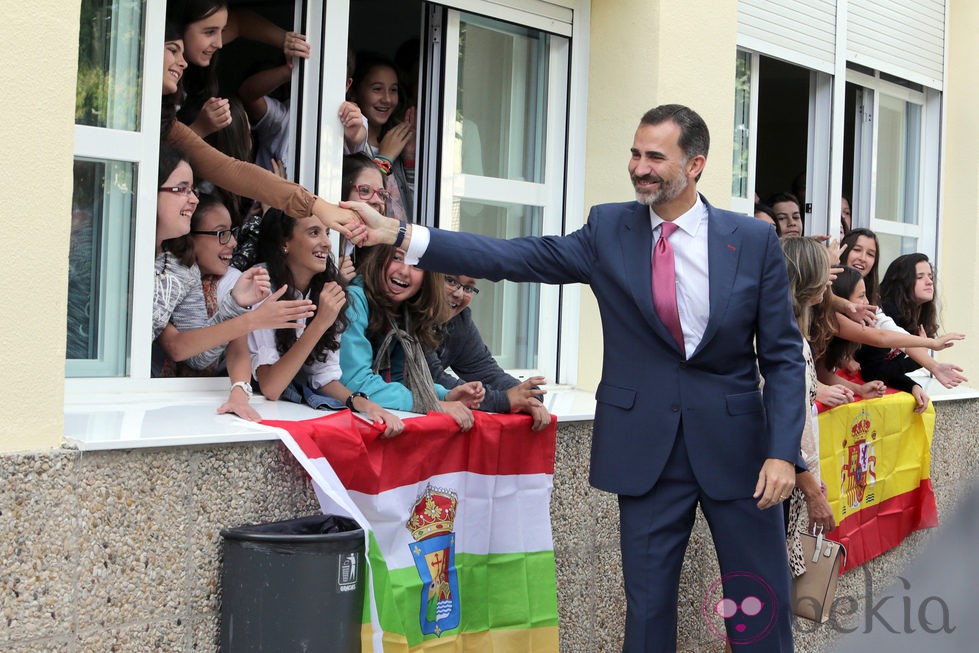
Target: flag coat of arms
458, 527
875, 460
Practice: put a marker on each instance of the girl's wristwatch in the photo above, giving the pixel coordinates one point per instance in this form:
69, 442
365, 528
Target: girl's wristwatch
244, 385
350, 400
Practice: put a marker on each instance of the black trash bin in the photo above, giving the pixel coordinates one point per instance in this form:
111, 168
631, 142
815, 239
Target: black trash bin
295, 585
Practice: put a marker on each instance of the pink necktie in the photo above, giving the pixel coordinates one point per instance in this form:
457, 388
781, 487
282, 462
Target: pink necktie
664, 284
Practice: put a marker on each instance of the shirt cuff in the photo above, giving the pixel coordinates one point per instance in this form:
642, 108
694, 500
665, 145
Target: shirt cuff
419, 244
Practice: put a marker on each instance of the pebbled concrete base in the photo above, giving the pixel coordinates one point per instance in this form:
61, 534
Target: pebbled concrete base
120, 550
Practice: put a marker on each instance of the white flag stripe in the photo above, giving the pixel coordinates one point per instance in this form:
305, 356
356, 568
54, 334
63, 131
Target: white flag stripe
525, 520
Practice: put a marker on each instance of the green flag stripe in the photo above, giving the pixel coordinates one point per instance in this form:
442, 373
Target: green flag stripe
519, 593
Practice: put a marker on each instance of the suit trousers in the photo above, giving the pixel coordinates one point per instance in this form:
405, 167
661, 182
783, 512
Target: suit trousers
749, 605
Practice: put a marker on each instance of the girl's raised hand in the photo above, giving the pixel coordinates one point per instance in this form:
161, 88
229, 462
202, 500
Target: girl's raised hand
947, 340
274, 313
331, 301
395, 139
252, 287
214, 115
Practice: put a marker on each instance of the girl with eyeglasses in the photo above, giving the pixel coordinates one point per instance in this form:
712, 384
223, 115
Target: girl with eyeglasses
462, 349
391, 314
362, 181
183, 331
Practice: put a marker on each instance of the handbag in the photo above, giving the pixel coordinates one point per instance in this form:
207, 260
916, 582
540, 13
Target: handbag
814, 591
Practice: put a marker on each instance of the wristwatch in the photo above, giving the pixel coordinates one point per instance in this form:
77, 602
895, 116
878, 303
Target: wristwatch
350, 400
244, 385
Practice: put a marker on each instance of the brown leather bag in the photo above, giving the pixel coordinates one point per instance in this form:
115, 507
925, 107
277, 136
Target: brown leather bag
814, 591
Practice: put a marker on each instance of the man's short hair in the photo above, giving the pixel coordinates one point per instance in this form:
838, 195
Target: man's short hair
694, 135
784, 196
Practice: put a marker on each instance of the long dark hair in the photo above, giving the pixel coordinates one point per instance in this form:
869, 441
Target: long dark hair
426, 310
168, 108
897, 289
200, 83
839, 350
276, 229
366, 62
873, 285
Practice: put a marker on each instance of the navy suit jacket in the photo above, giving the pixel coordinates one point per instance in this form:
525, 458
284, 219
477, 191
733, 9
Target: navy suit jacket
647, 386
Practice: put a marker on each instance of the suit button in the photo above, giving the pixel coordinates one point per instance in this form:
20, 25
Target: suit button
683, 365
675, 408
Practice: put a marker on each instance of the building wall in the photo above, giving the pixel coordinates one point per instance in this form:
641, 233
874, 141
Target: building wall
121, 550
959, 237
39, 44
645, 53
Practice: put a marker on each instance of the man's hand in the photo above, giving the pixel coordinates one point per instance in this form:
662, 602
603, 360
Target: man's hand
377, 229
775, 482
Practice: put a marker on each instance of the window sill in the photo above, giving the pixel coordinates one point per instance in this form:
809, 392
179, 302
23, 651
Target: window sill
139, 420
938, 392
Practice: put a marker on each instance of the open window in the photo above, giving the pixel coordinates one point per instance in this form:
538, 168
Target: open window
492, 139
890, 164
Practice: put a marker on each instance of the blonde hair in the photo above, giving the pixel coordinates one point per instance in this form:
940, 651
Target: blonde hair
808, 266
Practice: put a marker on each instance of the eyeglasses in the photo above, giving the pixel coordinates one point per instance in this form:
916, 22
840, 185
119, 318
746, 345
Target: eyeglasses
454, 284
180, 190
366, 191
224, 235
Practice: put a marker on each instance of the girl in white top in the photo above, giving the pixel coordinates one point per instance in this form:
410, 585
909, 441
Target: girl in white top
296, 253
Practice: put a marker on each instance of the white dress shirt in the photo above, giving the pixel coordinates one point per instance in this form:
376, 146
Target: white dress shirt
689, 243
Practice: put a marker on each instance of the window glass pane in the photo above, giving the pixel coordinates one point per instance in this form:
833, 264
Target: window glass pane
502, 100
110, 48
898, 158
506, 312
99, 268
742, 113
892, 246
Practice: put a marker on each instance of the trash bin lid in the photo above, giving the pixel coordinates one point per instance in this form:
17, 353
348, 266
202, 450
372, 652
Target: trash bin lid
313, 528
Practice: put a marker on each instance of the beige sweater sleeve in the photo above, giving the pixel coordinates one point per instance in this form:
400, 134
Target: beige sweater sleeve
240, 177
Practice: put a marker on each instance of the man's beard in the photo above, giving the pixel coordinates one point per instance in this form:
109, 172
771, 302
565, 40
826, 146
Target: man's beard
669, 189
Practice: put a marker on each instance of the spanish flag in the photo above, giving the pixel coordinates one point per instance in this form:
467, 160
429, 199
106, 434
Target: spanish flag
875, 460
458, 527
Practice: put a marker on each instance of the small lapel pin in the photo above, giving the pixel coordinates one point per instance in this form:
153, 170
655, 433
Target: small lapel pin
732, 248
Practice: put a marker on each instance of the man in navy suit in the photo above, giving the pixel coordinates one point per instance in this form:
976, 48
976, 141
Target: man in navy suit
680, 420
